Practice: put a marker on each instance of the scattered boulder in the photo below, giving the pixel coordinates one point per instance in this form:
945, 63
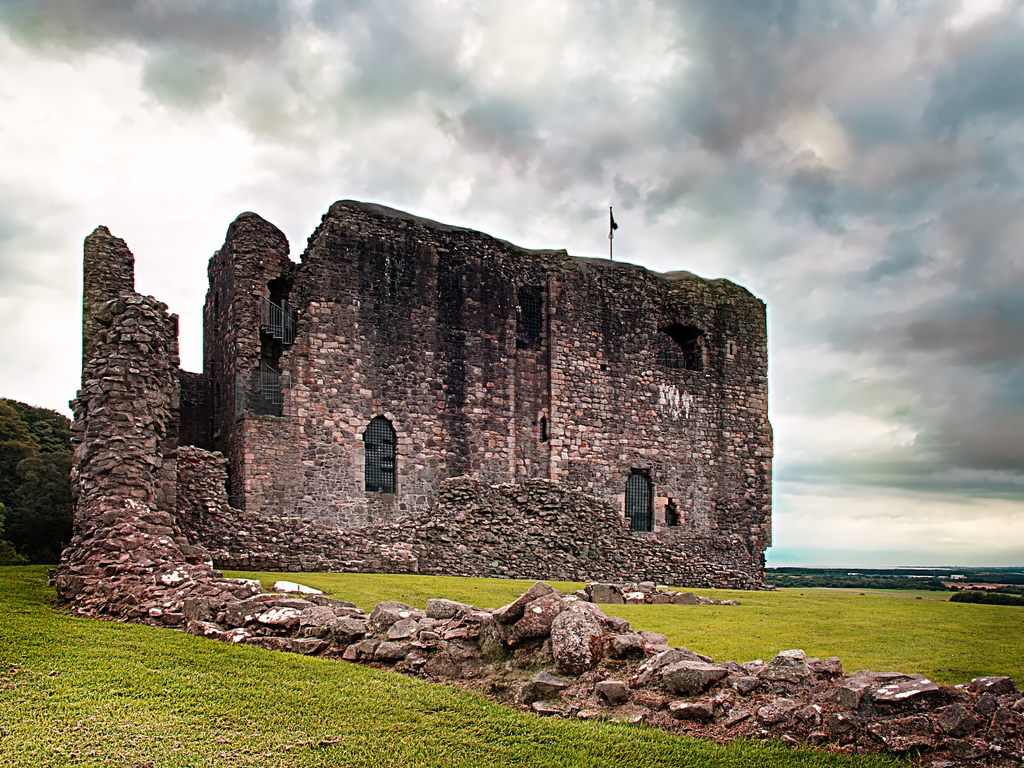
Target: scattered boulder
537, 616
513, 612
546, 684
994, 685
438, 608
604, 593
615, 691
691, 677
787, 666
577, 641
692, 710
390, 611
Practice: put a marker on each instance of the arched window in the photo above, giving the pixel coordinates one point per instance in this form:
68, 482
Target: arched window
543, 429
639, 502
379, 443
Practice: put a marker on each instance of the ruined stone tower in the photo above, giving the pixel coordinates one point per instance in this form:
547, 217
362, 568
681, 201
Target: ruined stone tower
401, 352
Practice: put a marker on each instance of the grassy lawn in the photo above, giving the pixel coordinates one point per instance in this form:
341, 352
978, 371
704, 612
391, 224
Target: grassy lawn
77, 692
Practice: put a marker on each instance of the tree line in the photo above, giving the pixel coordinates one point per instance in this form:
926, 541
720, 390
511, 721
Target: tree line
35, 483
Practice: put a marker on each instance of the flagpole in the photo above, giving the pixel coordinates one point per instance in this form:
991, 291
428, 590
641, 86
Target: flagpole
611, 236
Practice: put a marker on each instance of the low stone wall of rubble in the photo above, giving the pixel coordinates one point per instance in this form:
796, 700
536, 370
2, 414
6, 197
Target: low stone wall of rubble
531, 530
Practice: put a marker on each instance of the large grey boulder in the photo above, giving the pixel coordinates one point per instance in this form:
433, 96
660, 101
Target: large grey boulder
577, 641
691, 677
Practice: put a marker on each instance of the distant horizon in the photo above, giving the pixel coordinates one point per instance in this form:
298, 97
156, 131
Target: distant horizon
902, 567
796, 558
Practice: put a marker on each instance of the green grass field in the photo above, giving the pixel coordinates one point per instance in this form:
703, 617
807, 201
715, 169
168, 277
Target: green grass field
77, 692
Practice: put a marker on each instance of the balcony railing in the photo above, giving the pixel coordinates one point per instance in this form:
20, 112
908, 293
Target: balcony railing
270, 384
278, 321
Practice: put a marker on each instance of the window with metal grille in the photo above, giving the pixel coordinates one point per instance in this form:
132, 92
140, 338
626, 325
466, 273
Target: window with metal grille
379, 444
639, 502
529, 318
681, 346
270, 384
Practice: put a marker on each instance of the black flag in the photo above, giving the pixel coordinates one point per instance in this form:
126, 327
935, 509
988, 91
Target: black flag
611, 219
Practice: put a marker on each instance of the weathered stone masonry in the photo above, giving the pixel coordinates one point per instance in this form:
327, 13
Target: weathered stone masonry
486, 362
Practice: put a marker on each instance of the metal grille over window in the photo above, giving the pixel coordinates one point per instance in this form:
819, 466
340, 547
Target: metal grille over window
681, 346
278, 321
639, 501
379, 442
194, 392
270, 384
529, 318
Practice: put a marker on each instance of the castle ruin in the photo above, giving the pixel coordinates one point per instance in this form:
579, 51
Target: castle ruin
414, 396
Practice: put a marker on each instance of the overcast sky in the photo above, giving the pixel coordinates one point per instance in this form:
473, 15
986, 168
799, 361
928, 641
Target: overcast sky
856, 164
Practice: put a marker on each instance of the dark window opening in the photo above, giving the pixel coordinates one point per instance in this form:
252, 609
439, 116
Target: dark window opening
216, 397
681, 346
379, 443
639, 502
529, 318
543, 429
671, 513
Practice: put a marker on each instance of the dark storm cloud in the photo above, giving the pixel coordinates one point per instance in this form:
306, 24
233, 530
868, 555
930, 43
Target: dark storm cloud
250, 28
985, 77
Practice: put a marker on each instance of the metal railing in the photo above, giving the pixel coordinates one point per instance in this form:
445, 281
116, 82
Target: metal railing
278, 321
270, 384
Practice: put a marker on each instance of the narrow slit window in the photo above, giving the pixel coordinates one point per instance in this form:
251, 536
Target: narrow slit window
379, 445
639, 502
530, 318
543, 429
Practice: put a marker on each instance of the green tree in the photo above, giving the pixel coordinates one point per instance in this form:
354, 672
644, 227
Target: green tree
35, 486
51, 431
8, 555
16, 444
39, 524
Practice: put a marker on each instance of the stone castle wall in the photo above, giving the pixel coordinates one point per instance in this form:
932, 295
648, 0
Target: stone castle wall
422, 323
512, 453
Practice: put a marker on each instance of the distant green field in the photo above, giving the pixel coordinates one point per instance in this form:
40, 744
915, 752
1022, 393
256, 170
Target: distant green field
77, 692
